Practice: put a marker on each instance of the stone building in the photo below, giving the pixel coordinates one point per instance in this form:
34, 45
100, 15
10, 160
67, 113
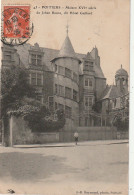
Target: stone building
67, 80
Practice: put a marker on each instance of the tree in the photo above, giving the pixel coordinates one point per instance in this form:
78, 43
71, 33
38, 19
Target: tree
40, 119
14, 89
19, 99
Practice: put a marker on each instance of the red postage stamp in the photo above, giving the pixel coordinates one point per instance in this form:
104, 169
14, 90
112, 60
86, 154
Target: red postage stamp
16, 21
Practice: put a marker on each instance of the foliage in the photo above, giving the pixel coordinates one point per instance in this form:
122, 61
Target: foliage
14, 87
18, 99
120, 121
43, 121
97, 107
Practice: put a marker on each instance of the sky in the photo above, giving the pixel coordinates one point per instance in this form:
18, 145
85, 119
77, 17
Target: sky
107, 29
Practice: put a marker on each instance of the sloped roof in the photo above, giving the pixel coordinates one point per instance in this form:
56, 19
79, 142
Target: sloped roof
67, 49
49, 55
110, 92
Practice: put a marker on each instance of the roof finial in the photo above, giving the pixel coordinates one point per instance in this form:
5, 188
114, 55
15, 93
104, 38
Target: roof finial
121, 66
67, 27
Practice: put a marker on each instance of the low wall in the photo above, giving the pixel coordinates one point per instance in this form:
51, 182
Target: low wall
23, 135
41, 138
89, 133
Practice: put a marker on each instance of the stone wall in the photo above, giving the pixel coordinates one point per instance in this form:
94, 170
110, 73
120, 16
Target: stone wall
23, 135
89, 133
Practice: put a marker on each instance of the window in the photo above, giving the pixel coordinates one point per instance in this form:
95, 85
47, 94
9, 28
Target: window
39, 79
88, 66
68, 73
7, 55
68, 93
55, 67
33, 78
61, 90
61, 70
68, 112
88, 82
75, 95
51, 102
75, 77
36, 78
88, 101
36, 59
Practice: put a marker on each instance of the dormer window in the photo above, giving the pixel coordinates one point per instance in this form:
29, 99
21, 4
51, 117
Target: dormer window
36, 59
88, 66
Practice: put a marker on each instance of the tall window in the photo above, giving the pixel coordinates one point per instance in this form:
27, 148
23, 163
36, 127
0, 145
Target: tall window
68, 112
36, 78
68, 92
7, 55
61, 90
75, 77
68, 73
61, 70
75, 95
36, 59
51, 102
55, 67
88, 101
39, 79
56, 89
88, 82
33, 78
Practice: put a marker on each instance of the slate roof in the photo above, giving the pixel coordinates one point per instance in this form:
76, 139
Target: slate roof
110, 92
67, 49
50, 54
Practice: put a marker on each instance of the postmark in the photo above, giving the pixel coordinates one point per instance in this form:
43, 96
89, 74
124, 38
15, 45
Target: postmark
16, 25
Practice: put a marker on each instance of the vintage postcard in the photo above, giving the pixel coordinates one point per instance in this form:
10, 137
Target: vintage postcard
64, 97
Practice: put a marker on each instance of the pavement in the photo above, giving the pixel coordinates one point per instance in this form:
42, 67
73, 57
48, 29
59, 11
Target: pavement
72, 144
93, 167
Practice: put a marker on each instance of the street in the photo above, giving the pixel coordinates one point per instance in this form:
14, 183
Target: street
96, 166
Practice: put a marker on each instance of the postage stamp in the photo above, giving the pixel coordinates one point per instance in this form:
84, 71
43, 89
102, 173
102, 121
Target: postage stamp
16, 26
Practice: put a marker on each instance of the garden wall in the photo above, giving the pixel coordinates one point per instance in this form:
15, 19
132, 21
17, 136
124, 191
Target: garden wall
23, 135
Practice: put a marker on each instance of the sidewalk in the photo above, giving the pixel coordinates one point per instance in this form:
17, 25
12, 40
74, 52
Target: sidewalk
72, 144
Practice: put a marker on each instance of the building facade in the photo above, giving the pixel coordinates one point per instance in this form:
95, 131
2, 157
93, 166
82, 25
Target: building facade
67, 80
